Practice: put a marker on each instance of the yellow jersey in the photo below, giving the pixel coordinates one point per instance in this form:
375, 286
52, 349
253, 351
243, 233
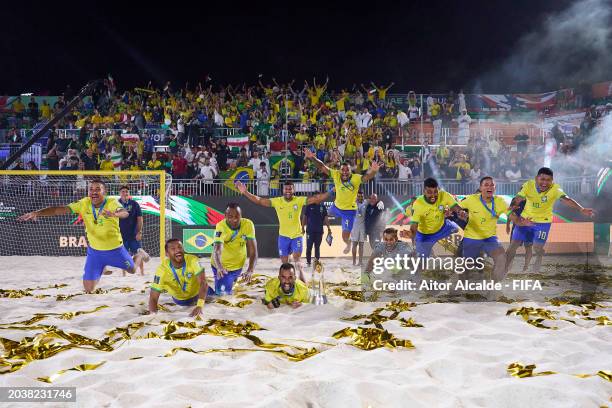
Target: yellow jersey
430, 217
288, 213
299, 294
107, 165
539, 205
481, 223
187, 286
234, 250
346, 192
103, 233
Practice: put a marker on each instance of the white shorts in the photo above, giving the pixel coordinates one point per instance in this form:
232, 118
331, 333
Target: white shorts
358, 235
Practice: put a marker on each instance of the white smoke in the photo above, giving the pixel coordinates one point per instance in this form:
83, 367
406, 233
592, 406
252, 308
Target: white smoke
569, 47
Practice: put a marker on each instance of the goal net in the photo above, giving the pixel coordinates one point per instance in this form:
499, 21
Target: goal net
25, 191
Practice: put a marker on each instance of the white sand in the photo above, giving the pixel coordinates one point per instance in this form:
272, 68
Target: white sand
459, 360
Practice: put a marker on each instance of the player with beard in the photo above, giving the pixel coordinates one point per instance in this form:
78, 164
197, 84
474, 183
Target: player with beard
540, 195
347, 185
390, 247
285, 289
428, 223
182, 277
482, 210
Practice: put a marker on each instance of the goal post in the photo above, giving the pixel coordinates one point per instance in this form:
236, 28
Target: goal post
23, 191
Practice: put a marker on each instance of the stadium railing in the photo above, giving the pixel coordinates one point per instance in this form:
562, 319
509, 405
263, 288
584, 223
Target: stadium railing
224, 187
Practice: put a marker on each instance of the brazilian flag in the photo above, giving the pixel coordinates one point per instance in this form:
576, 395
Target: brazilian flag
243, 174
275, 162
198, 241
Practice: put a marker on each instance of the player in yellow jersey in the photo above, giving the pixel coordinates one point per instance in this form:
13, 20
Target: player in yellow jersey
288, 210
234, 241
285, 289
540, 195
347, 185
101, 218
182, 277
482, 210
428, 223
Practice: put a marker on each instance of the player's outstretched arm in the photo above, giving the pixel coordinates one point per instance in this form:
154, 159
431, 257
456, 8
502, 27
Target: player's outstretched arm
318, 163
217, 250
570, 202
317, 198
518, 220
371, 172
265, 202
45, 212
119, 213
201, 295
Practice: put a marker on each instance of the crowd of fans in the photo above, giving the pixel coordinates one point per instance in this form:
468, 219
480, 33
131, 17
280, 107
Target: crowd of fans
358, 126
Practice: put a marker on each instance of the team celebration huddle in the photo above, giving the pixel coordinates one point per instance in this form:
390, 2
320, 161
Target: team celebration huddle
114, 232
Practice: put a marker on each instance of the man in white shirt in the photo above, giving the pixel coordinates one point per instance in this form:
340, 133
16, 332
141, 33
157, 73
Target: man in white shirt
207, 173
461, 98
256, 161
404, 175
364, 119
263, 180
464, 121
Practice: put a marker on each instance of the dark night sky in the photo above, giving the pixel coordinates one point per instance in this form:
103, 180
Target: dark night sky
429, 46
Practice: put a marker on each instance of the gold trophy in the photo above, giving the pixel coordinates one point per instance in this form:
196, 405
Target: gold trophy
317, 294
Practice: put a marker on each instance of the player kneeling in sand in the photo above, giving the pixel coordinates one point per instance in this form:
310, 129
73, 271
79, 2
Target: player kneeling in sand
101, 216
285, 289
390, 247
182, 277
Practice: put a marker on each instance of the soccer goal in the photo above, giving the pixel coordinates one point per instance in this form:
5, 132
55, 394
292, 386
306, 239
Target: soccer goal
25, 191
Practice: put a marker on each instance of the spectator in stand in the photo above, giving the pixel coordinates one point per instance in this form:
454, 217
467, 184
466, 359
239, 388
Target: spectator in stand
179, 167
461, 101
222, 153
263, 180
243, 159
464, 121
207, 173
436, 120
443, 159
107, 164
513, 172
154, 163
89, 161
462, 168
522, 141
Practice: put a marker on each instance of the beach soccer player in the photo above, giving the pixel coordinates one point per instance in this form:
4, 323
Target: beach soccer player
182, 277
540, 195
234, 241
288, 210
482, 210
285, 289
101, 216
528, 242
428, 223
347, 185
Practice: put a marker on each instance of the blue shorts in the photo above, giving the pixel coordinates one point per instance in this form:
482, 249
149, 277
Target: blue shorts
131, 245
288, 246
538, 233
347, 216
528, 237
473, 247
186, 302
226, 283
97, 260
425, 242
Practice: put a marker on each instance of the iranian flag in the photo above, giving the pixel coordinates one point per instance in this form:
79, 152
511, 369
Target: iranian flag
130, 137
117, 159
239, 140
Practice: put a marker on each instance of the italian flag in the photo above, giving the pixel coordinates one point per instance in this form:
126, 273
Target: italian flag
240, 140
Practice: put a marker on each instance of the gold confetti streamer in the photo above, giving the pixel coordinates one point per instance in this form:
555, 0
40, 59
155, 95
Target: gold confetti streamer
377, 318
40, 316
522, 371
372, 338
19, 293
300, 356
528, 312
80, 367
240, 304
98, 291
